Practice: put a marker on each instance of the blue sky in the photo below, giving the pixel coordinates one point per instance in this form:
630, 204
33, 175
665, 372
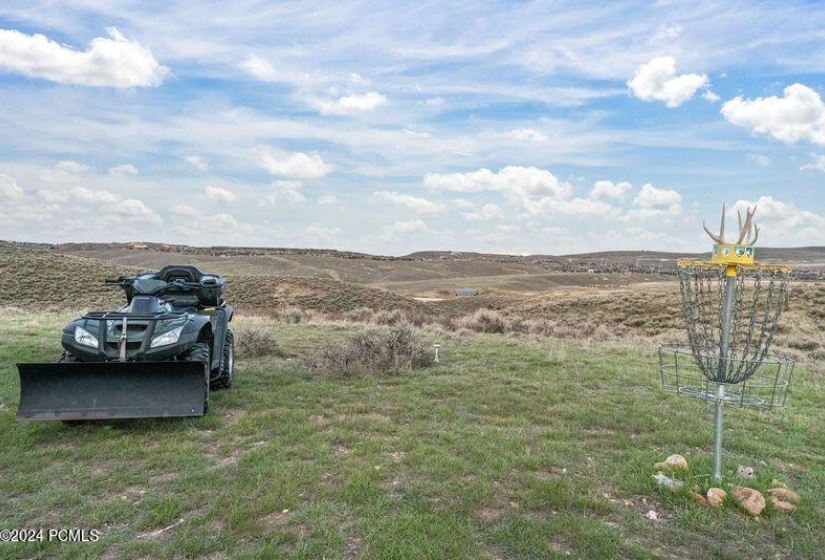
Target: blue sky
390, 127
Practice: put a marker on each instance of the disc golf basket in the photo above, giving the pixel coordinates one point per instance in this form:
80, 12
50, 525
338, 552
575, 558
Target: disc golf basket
731, 307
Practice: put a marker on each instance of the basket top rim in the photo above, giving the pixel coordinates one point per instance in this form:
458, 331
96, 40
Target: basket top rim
776, 268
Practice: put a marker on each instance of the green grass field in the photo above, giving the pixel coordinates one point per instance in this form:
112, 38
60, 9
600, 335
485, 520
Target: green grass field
510, 447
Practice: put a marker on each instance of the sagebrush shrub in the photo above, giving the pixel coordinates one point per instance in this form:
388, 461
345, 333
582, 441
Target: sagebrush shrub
483, 320
389, 318
360, 315
255, 341
389, 351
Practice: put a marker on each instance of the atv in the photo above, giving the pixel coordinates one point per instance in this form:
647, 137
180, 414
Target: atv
160, 355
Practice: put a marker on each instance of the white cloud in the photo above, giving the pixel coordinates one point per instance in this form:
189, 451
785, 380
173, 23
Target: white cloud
121, 170
323, 233
534, 191
186, 211
514, 181
522, 186
487, 212
462, 203
197, 162
293, 164
653, 202
759, 159
358, 80
289, 185
351, 104
64, 171
88, 195
328, 199
9, 188
508, 229
434, 102
609, 189
284, 71
223, 220
136, 209
416, 134
107, 62
657, 81
710, 97
527, 135
70, 166
220, 194
292, 196
410, 226
783, 223
798, 116
414, 203
52, 196
818, 164
571, 207
286, 191
259, 68
75, 205
667, 32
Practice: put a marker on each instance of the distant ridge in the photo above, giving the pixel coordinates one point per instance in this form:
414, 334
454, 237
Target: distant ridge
215, 250
814, 254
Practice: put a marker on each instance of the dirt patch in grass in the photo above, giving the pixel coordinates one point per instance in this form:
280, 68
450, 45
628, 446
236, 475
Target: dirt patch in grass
164, 478
490, 514
231, 414
277, 520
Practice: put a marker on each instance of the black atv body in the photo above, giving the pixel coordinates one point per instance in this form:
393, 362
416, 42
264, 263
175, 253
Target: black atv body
160, 355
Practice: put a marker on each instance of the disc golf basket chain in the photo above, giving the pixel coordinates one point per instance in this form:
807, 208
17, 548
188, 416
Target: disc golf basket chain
731, 307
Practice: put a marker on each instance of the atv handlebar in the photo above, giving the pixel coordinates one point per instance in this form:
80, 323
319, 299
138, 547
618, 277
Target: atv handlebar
127, 282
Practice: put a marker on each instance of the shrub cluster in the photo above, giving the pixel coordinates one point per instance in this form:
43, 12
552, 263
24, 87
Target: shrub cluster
483, 320
256, 341
622, 321
387, 351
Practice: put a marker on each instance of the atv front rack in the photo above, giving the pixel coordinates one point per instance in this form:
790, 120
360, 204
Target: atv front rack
114, 315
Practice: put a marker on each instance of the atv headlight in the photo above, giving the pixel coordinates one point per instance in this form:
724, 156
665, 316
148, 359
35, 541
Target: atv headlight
84, 337
165, 339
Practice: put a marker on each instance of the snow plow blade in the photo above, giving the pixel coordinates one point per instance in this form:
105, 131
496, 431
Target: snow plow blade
111, 390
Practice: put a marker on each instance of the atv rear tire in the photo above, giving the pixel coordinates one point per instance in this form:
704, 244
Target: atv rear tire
227, 374
200, 353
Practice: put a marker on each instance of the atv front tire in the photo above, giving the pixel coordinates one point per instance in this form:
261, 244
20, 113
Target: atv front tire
200, 353
67, 358
228, 364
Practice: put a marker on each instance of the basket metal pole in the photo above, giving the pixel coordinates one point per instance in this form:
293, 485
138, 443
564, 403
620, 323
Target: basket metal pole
717, 434
727, 315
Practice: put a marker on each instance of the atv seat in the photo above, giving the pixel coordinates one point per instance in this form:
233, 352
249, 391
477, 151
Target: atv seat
207, 293
180, 272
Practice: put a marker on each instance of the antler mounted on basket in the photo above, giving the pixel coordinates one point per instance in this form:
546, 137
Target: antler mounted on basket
748, 232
